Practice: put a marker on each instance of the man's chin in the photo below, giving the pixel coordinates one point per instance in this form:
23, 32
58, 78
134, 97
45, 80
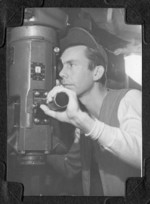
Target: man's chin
69, 86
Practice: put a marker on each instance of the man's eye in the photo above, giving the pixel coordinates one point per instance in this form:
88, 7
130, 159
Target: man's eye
71, 64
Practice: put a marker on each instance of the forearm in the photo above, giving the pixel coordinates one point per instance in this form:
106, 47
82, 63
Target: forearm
125, 143
84, 122
90, 126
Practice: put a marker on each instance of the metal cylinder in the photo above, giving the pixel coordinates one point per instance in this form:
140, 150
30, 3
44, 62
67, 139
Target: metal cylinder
31, 62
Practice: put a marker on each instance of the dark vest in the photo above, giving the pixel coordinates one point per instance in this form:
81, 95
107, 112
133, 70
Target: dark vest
113, 171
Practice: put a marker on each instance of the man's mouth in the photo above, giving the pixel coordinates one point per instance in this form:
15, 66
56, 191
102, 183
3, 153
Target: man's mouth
67, 84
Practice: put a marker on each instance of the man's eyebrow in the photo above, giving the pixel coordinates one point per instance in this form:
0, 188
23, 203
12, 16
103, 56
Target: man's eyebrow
69, 61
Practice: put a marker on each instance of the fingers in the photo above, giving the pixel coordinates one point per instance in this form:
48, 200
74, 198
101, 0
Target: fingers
57, 115
57, 89
53, 92
47, 111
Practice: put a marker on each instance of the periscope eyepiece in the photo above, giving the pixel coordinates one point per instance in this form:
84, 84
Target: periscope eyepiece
59, 102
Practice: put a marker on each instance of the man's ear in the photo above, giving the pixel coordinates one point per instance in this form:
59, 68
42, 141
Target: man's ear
98, 72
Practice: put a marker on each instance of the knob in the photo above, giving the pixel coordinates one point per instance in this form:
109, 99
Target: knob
37, 93
36, 120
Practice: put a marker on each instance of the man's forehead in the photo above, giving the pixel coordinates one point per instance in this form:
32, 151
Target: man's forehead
73, 51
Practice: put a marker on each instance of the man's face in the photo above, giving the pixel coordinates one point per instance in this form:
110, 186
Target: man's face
75, 74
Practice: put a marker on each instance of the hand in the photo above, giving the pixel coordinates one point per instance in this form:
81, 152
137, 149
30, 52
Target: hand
72, 110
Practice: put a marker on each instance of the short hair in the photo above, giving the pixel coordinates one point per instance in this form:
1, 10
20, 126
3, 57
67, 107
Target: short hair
96, 59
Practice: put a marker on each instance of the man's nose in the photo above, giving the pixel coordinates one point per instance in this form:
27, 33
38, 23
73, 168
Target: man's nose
63, 73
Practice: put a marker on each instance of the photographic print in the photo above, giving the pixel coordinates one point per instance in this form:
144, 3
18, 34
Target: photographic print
74, 102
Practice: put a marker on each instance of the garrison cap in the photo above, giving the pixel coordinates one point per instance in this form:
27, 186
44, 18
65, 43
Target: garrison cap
80, 36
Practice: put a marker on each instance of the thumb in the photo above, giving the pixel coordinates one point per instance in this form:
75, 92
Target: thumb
58, 82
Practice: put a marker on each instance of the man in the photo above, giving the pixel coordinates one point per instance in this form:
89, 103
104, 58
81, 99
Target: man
110, 123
